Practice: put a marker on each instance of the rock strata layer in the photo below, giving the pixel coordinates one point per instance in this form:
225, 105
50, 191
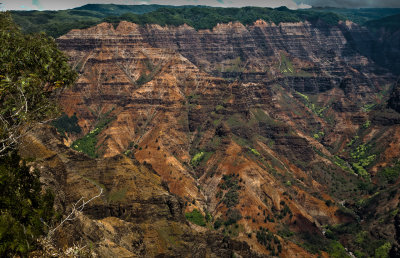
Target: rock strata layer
274, 123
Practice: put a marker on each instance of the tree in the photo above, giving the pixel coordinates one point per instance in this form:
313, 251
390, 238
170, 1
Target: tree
32, 69
23, 207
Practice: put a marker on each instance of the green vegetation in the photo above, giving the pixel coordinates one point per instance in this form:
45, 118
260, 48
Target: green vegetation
31, 69
367, 124
269, 240
57, 23
231, 198
66, 124
336, 250
361, 16
213, 144
218, 108
383, 251
360, 242
230, 181
235, 121
117, 196
313, 242
23, 207
361, 160
353, 140
218, 223
305, 97
208, 17
196, 217
314, 108
148, 73
231, 184
285, 231
88, 144
286, 66
261, 116
318, 135
368, 107
283, 212
197, 159
390, 23
229, 226
389, 175
233, 216
360, 170
235, 66
255, 152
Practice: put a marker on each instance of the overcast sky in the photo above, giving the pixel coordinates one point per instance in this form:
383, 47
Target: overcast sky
292, 4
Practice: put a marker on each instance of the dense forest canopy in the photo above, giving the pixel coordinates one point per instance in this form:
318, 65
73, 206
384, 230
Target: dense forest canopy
390, 23
57, 23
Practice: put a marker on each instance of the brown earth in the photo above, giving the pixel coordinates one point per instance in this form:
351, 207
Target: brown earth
279, 110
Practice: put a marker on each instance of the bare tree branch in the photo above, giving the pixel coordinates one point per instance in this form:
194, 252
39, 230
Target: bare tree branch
76, 208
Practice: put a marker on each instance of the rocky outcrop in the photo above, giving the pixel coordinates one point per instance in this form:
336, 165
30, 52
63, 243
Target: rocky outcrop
279, 110
135, 215
251, 53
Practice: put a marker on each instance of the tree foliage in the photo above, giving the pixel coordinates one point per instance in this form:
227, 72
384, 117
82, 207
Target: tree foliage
196, 217
208, 17
31, 69
57, 23
23, 207
66, 124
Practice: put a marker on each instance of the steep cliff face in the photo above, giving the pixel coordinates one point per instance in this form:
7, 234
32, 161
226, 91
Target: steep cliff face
386, 47
267, 128
253, 52
394, 100
135, 216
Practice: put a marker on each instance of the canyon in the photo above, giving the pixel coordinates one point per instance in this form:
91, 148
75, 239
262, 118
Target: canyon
278, 138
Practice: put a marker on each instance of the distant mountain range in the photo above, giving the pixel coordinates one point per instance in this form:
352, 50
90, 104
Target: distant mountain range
57, 23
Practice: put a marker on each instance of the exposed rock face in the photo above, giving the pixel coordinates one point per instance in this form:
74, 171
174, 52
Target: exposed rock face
390, 44
394, 101
280, 110
321, 52
134, 217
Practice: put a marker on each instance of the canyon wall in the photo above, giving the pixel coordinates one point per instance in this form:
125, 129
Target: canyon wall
274, 123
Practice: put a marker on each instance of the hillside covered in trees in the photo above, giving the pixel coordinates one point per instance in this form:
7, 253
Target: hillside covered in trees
57, 23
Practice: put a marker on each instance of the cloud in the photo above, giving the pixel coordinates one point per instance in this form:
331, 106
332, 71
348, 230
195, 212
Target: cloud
352, 3
67, 4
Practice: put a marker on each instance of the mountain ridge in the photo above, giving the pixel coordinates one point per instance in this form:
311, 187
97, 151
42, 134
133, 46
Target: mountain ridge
35, 21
